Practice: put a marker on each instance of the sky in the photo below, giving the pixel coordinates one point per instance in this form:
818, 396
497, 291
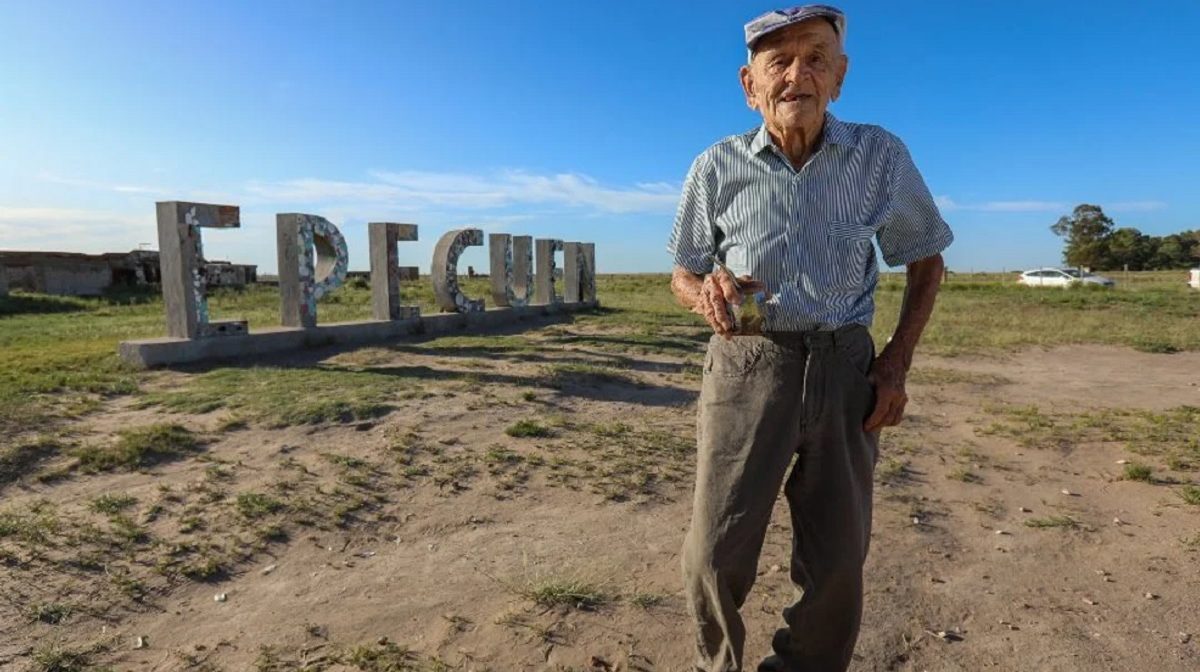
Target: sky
572, 120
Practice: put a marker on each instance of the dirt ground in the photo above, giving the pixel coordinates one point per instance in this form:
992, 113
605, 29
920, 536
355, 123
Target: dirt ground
447, 561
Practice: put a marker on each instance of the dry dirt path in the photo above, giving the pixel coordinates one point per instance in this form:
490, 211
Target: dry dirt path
462, 525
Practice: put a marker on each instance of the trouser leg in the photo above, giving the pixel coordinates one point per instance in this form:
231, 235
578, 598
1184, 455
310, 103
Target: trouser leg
747, 430
829, 494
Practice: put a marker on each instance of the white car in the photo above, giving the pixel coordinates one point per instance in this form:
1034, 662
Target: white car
1194, 278
1061, 277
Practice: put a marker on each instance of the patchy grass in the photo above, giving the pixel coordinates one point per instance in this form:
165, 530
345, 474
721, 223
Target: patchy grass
891, 471
282, 397
139, 448
25, 457
643, 600
573, 593
964, 475
1139, 472
110, 504
33, 524
528, 429
1061, 522
1190, 494
58, 657
257, 505
1172, 435
50, 613
561, 375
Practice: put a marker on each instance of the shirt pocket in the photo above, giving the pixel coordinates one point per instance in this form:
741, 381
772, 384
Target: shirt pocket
850, 250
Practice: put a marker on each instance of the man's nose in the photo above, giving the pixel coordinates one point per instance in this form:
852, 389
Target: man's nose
797, 71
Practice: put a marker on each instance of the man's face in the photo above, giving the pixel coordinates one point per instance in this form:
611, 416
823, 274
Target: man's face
794, 74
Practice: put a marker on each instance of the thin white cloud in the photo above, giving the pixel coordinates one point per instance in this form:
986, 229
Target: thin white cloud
99, 186
947, 204
74, 229
407, 190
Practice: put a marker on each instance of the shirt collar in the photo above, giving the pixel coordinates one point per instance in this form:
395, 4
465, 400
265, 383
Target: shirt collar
836, 133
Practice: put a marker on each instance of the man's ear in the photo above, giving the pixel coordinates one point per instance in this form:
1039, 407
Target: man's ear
747, 79
837, 89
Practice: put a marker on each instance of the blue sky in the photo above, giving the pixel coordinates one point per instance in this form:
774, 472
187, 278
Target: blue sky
575, 120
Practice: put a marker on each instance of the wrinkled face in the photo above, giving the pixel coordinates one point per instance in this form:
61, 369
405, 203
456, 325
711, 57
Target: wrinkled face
793, 75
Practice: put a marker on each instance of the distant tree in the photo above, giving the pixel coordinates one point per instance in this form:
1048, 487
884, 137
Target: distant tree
1176, 250
1086, 231
1129, 247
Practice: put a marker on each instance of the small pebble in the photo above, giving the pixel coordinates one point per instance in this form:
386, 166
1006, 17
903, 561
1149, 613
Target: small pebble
1118, 521
775, 568
916, 521
1151, 596
1024, 510
139, 643
269, 568
220, 597
382, 641
1001, 532
1068, 493
1122, 461
1184, 638
1089, 602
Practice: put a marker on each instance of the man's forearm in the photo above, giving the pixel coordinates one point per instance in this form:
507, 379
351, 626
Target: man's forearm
920, 293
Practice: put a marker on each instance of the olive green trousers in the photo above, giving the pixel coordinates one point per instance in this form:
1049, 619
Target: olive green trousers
766, 400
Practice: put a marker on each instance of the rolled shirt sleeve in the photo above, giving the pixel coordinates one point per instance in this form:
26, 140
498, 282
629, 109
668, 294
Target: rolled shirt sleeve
912, 228
693, 242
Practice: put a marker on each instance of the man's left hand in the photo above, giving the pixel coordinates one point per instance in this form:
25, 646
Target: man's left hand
887, 375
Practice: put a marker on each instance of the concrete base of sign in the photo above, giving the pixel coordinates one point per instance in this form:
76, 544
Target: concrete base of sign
154, 352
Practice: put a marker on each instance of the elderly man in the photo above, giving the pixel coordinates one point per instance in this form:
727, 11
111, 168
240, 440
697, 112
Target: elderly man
792, 207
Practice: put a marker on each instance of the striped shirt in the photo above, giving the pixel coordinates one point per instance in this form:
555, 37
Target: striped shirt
807, 233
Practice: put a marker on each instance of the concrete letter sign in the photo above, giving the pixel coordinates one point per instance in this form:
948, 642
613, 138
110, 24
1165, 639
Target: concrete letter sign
511, 269
386, 273
300, 238
313, 261
544, 285
181, 263
445, 271
579, 279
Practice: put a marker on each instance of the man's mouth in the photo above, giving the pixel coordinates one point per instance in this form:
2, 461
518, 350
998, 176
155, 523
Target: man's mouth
796, 98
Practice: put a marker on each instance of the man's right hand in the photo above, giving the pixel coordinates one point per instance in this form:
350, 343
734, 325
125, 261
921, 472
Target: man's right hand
716, 292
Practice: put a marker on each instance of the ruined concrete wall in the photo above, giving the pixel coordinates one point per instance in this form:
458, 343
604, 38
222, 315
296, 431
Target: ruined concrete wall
51, 275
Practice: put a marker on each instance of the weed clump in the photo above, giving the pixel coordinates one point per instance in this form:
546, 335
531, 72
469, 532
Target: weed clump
528, 429
1138, 472
139, 448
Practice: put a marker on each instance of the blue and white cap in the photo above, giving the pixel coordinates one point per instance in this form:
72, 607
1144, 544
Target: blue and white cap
782, 18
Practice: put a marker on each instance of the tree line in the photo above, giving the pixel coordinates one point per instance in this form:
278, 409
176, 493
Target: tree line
1092, 240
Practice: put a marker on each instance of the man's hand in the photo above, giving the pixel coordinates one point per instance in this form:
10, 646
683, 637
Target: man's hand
887, 375
712, 295
891, 366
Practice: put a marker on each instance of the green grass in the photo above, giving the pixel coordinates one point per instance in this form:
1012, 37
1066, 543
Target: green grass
1138, 472
1172, 435
111, 504
50, 613
528, 429
139, 448
1190, 494
281, 397
57, 657
573, 593
257, 505
59, 353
